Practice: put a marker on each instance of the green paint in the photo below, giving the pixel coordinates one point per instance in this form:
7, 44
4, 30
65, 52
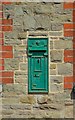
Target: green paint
38, 65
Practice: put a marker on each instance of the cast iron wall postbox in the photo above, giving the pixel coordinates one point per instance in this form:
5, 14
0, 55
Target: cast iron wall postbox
38, 65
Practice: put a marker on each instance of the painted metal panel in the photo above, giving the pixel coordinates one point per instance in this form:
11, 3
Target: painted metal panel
38, 65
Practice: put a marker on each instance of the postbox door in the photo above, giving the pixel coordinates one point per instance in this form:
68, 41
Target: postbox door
38, 75
38, 65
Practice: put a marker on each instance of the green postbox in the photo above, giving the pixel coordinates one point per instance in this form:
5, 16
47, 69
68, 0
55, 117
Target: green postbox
38, 65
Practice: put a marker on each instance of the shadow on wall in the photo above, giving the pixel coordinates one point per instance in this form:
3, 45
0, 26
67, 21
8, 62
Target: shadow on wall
73, 93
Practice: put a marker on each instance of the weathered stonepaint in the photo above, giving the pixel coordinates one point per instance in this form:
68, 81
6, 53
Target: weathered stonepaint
23, 20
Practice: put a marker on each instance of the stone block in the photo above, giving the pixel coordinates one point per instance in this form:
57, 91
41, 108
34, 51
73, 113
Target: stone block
51, 44
7, 112
67, 94
46, 8
11, 35
42, 99
20, 12
65, 69
28, 22
23, 66
42, 22
10, 101
18, 28
56, 87
69, 112
52, 66
51, 107
28, 99
12, 42
20, 107
18, 21
22, 35
56, 79
56, 26
19, 52
56, 56
63, 44
21, 80
57, 33
11, 64
59, 8
20, 74
52, 72
56, 97
38, 33
17, 89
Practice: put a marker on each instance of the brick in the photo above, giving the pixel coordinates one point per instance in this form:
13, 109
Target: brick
68, 5
1, 61
0, 28
7, 21
6, 80
1, 67
0, 7
1, 35
68, 59
68, 86
69, 26
68, 53
7, 3
74, 45
0, 48
6, 55
1, 14
69, 79
1, 42
7, 28
7, 48
69, 33
0, 22
6, 74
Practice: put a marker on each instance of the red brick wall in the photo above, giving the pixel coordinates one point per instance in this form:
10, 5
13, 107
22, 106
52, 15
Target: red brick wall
6, 25
69, 54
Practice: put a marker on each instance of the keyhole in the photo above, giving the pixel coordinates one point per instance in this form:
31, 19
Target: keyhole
37, 43
38, 60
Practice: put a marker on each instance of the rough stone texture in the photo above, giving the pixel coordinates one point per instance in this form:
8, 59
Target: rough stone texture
65, 69
56, 87
63, 44
57, 33
52, 66
23, 66
52, 72
56, 79
56, 56
28, 99
11, 64
12, 42
69, 112
18, 89
40, 19
56, 27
